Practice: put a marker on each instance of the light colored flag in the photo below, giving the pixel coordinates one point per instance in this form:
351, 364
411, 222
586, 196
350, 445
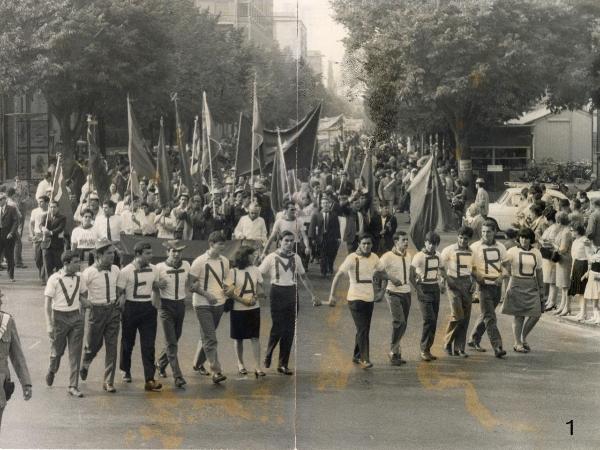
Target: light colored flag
206, 164
196, 148
257, 133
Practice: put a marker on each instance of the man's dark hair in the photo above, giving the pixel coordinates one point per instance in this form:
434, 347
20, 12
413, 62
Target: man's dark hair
139, 248
216, 236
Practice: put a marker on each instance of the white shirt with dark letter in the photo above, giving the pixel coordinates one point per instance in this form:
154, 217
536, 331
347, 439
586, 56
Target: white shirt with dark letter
63, 289
360, 270
176, 279
282, 270
488, 259
100, 285
399, 267
427, 267
213, 275
457, 262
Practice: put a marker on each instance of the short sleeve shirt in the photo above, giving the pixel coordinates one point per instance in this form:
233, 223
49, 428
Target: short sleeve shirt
175, 278
213, 275
427, 267
64, 291
524, 263
84, 238
295, 226
246, 283
456, 261
137, 283
360, 270
282, 270
399, 267
100, 285
487, 260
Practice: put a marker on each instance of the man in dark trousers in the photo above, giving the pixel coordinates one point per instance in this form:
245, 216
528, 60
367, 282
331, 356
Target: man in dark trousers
324, 231
53, 244
9, 221
388, 228
355, 224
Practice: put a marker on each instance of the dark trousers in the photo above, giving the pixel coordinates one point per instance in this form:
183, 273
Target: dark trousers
18, 248
138, 316
67, 330
103, 324
284, 306
489, 298
328, 254
459, 296
399, 304
361, 314
52, 261
429, 304
7, 248
39, 259
171, 313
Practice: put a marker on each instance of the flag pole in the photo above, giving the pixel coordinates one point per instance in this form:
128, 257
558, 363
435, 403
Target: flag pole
280, 145
89, 144
254, 109
58, 158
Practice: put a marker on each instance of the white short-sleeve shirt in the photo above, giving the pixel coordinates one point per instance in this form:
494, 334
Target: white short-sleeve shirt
427, 267
84, 238
524, 263
175, 278
399, 267
63, 289
213, 276
246, 283
360, 270
101, 285
282, 270
456, 261
295, 226
487, 260
137, 283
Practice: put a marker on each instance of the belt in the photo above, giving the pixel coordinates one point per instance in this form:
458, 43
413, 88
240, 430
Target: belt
524, 278
461, 277
104, 305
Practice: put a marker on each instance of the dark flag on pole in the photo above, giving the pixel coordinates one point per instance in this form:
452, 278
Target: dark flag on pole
184, 161
163, 169
279, 181
60, 194
98, 170
429, 207
140, 157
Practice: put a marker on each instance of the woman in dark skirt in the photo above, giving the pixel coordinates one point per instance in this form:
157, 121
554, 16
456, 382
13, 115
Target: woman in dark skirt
524, 298
245, 314
580, 251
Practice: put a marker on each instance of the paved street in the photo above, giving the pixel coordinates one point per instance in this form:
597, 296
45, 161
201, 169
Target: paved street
481, 402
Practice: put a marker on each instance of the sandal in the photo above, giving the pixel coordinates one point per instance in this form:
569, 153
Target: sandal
520, 349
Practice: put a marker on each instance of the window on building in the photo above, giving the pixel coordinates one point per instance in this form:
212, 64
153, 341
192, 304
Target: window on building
510, 158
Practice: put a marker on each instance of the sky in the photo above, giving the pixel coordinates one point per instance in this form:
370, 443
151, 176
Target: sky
323, 32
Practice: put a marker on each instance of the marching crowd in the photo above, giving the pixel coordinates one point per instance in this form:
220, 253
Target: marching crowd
546, 260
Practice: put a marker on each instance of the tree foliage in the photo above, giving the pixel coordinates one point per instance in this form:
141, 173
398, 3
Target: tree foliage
469, 64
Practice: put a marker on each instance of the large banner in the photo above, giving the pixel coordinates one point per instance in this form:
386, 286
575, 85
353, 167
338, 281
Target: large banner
192, 251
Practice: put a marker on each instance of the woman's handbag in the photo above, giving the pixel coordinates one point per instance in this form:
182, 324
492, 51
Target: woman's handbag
9, 388
546, 252
556, 257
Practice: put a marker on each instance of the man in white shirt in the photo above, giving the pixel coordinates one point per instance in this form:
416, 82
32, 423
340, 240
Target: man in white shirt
457, 271
35, 233
175, 274
488, 257
397, 263
482, 199
252, 226
109, 226
290, 222
99, 293
64, 322
425, 276
135, 287
44, 186
209, 277
84, 237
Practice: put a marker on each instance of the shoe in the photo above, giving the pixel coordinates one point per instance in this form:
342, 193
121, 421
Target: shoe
499, 353
201, 370
153, 386
520, 349
109, 388
267, 362
366, 364
463, 354
402, 361
476, 346
50, 378
455, 353
83, 373
259, 373
180, 382
355, 360
12, 280
127, 377
21, 266
475, 300
448, 350
550, 308
218, 377
526, 346
243, 372
74, 392
162, 371
284, 370
425, 356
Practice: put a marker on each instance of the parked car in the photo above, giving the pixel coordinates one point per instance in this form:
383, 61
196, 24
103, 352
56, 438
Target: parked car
504, 210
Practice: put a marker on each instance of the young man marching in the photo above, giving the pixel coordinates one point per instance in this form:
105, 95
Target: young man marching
457, 271
488, 257
425, 277
397, 264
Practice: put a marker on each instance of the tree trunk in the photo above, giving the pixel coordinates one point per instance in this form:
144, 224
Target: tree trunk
463, 152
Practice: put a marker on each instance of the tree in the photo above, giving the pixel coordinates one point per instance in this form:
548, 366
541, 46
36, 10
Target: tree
465, 65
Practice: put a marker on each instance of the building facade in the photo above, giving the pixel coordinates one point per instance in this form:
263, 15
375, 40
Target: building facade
290, 34
254, 17
315, 61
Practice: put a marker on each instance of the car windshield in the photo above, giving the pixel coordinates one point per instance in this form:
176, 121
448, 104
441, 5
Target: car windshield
503, 198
